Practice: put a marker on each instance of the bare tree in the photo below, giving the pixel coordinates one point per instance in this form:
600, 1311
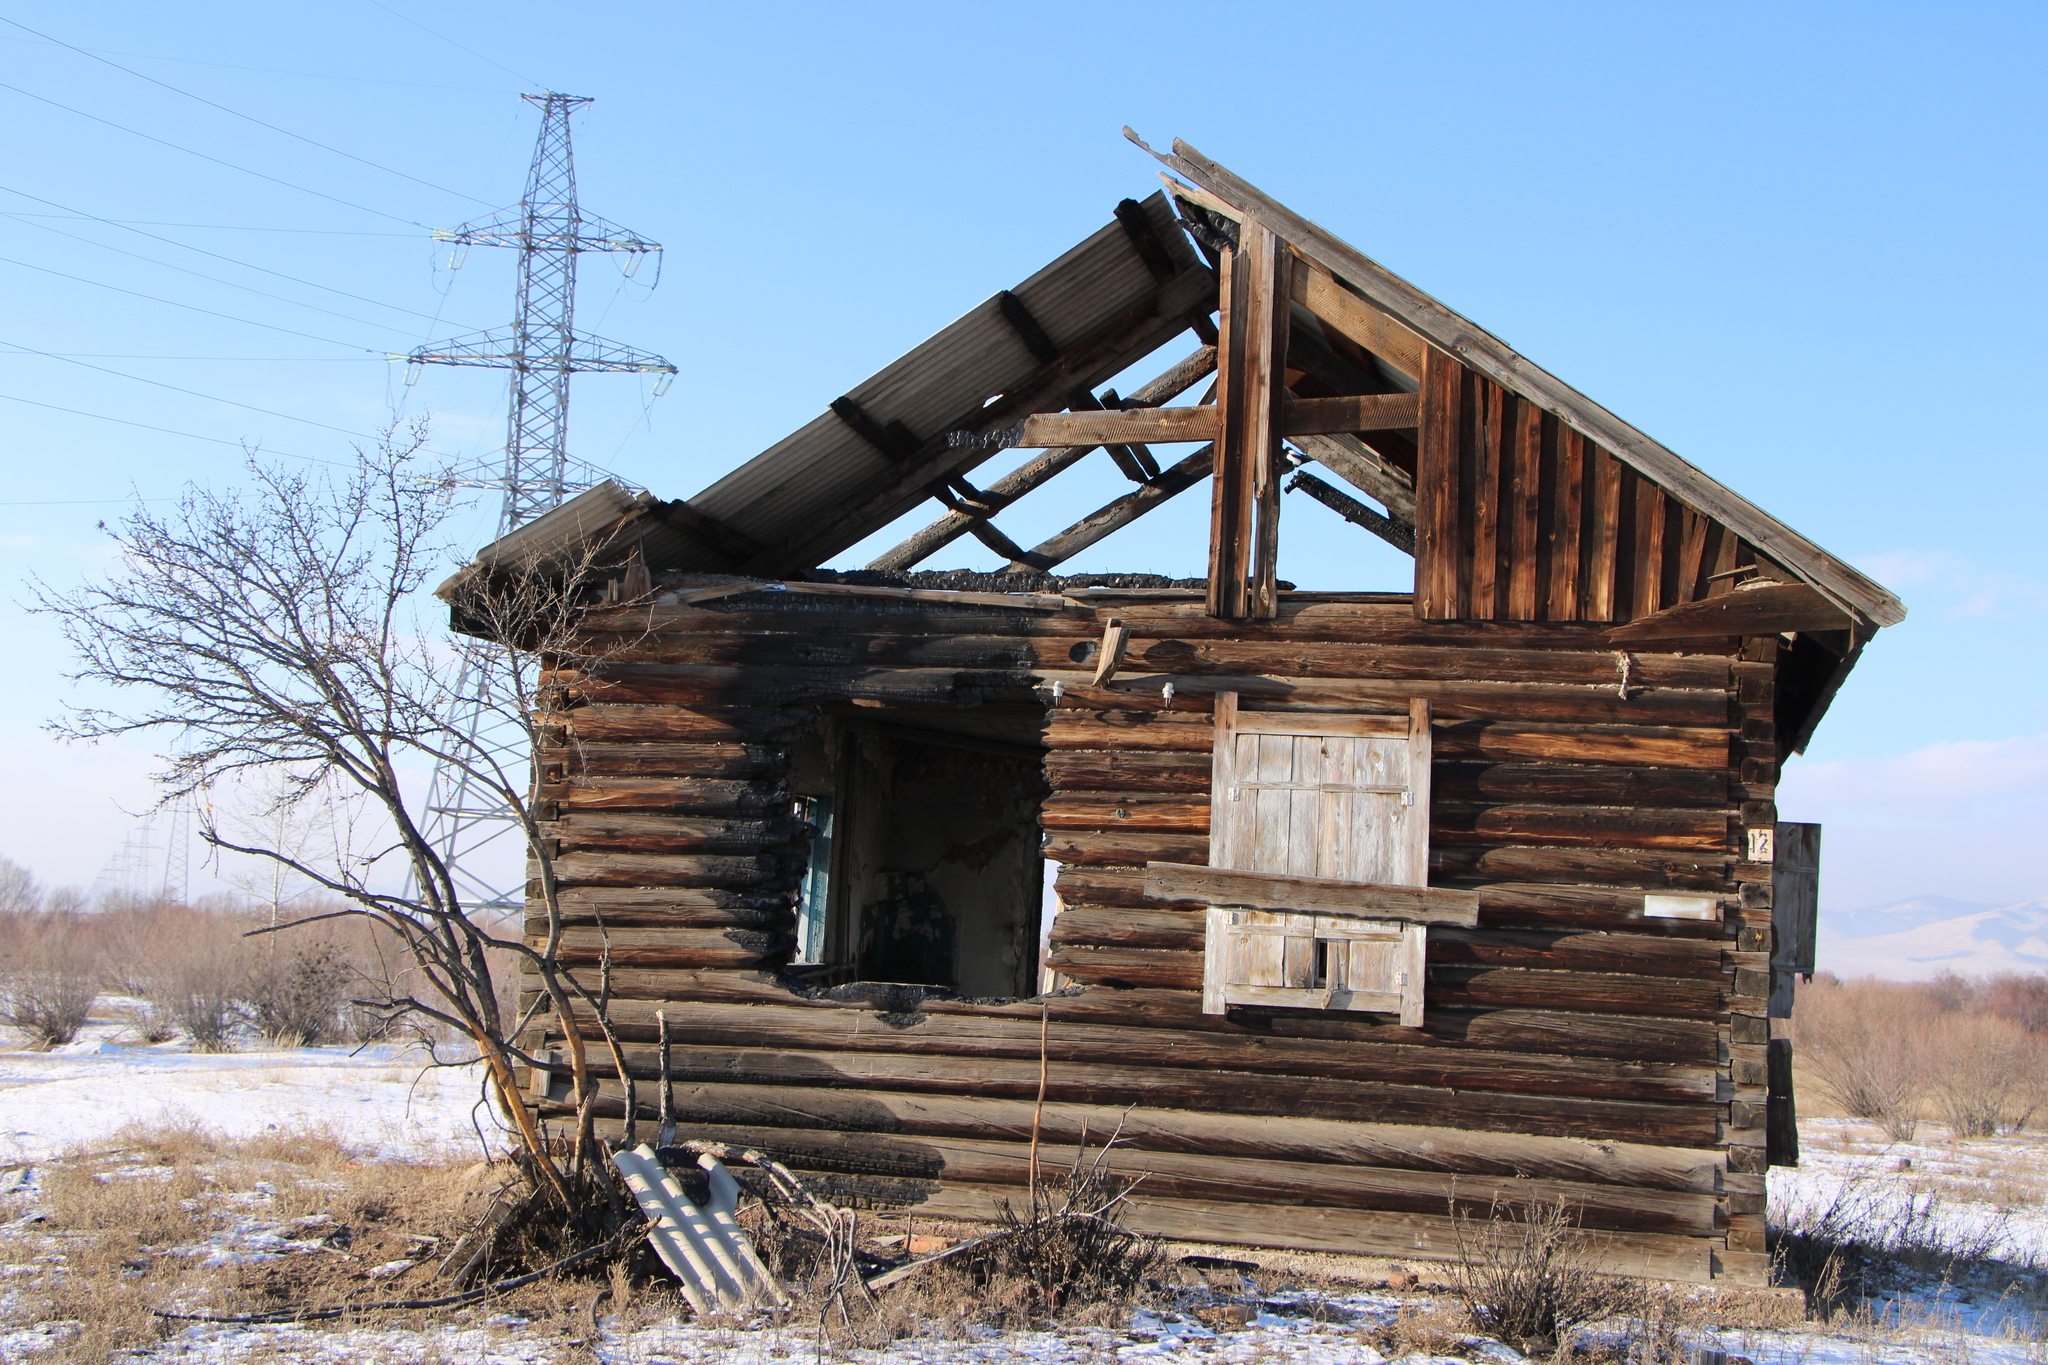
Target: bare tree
274, 633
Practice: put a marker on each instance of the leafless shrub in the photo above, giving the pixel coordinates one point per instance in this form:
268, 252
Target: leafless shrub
1861, 1045
50, 980
1068, 1250
1831, 1244
295, 997
1524, 1276
1983, 1071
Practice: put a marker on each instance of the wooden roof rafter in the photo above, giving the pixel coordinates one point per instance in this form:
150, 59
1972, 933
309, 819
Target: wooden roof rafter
1348, 290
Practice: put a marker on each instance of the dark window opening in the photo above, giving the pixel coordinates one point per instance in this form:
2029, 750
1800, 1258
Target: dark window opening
925, 865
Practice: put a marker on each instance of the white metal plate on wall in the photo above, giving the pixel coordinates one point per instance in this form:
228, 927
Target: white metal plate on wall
1681, 907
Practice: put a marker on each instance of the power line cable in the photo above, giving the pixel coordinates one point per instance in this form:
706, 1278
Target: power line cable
215, 279
218, 256
219, 227
193, 393
276, 71
168, 431
193, 307
147, 137
251, 118
457, 46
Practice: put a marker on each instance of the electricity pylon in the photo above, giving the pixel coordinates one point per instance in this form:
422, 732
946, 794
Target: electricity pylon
542, 349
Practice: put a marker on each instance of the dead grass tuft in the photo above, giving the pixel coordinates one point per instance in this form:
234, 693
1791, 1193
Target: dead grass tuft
1524, 1276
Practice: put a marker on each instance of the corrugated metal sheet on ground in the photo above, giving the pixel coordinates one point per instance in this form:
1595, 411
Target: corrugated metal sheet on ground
814, 472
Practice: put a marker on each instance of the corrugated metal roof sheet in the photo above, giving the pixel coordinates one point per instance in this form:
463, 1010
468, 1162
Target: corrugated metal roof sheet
811, 475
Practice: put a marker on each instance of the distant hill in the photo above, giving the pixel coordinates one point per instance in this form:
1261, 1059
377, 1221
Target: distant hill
1912, 940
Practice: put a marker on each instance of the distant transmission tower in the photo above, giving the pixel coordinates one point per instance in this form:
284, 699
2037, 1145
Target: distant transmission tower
542, 349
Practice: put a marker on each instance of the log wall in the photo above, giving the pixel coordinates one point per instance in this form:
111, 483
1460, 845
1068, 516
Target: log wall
1571, 1047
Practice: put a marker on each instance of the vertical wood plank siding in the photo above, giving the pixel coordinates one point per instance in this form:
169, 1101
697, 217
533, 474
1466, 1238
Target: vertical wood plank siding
1566, 1038
1520, 518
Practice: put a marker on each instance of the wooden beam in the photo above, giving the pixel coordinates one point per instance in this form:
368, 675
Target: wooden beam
1107, 427
1352, 412
706, 528
1191, 371
1028, 329
1251, 375
892, 440
1316, 895
1116, 515
1746, 611
1365, 469
1300, 417
1335, 306
1137, 332
1401, 537
1490, 356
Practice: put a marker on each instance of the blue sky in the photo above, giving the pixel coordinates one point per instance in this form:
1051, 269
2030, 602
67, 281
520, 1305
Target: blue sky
1799, 243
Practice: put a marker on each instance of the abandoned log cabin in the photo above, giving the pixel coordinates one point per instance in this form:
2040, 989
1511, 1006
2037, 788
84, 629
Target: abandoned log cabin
1365, 906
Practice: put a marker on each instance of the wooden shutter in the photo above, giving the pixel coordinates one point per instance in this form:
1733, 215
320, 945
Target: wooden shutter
1343, 797
1321, 795
1302, 961
1795, 908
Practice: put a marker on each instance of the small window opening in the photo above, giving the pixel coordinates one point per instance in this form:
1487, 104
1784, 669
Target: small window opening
926, 868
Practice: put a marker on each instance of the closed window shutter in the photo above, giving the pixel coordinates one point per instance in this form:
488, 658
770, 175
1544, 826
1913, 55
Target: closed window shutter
1331, 796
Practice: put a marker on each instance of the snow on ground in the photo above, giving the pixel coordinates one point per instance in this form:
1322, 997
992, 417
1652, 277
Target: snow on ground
381, 1096
1988, 1194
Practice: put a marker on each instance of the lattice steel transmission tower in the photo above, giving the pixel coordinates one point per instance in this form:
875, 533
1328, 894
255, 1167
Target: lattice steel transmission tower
542, 349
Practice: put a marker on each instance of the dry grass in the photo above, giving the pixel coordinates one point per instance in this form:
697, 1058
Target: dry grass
127, 1229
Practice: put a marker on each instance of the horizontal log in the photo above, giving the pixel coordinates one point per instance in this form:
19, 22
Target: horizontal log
609, 901
1183, 1088
1523, 1030
1532, 905
1176, 655
1227, 1178
669, 947
1388, 620
636, 724
714, 684
1448, 986
1313, 659
1123, 846
691, 795
1576, 784
1585, 827
595, 831
1450, 701
1128, 966
842, 1126
1619, 867
1592, 992
766, 870
776, 919
1160, 812
1127, 770
1138, 730
1586, 951
805, 1028
705, 759
1350, 413
1348, 1232
1167, 881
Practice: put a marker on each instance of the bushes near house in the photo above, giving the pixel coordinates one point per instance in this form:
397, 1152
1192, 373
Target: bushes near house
1971, 1055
